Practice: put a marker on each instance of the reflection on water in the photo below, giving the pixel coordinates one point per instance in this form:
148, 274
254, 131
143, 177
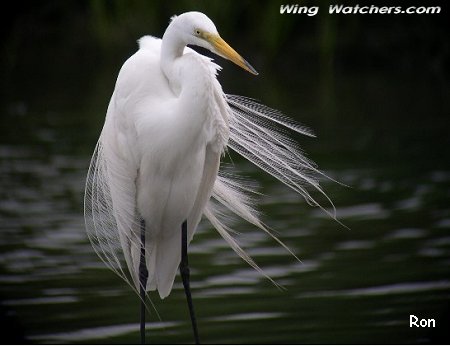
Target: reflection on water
350, 285
92, 334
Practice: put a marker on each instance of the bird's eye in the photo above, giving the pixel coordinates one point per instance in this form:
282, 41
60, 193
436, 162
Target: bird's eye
197, 32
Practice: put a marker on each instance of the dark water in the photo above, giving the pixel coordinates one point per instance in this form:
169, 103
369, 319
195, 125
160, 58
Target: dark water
385, 135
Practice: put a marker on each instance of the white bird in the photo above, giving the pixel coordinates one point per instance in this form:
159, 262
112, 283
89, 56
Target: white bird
157, 159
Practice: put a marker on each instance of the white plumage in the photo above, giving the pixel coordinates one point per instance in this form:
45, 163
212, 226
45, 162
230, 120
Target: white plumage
158, 156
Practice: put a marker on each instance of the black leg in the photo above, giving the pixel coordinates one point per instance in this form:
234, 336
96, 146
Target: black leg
184, 271
143, 276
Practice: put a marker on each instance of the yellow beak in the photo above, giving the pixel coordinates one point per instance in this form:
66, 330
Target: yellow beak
223, 49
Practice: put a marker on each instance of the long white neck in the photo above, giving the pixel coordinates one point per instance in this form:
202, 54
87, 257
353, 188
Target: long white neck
189, 74
192, 78
172, 47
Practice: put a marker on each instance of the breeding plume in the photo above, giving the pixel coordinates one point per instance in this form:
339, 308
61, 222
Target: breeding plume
156, 171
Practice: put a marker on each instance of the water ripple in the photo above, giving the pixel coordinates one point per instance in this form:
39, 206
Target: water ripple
101, 332
250, 316
408, 287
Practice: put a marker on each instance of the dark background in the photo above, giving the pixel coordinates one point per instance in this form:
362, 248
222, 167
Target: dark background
62, 48
375, 89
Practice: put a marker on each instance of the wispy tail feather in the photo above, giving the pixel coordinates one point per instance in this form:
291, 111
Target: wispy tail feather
259, 134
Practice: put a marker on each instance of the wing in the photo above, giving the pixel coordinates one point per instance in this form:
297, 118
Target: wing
111, 217
212, 155
211, 168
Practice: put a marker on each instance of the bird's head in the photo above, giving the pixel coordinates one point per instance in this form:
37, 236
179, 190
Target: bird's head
198, 30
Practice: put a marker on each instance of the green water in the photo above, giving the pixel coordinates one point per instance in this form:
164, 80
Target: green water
382, 131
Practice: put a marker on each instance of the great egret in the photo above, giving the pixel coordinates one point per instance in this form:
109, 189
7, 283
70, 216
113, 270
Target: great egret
156, 163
